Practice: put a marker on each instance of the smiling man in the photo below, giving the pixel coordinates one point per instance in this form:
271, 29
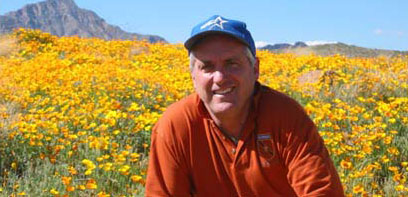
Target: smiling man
234, 136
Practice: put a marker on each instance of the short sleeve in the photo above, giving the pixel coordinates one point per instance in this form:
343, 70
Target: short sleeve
310, 169
167, 171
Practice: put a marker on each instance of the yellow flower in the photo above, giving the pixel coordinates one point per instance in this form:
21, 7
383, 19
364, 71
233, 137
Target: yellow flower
393, 169
70, 188
136, 178
108, 166
72, 170
399, 177
89, 164
134, 107
358, 189
73, 137
53, 191
387, 140
124, 170
115, 145
88, 172
135, 155
66, 180
14, 165
346, 164
399, 187
385, 159
116, 132
393, 132
81, 187
91, 184
92, 125
125, 153
103, 194
393, 151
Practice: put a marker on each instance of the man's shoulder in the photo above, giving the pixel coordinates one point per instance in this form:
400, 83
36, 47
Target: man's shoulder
277, 108
180, 117
278, 101
187, 107
282, 114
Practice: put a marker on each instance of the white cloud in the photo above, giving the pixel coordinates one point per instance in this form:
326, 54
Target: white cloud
378, 31
400, 33
260, 44
319, 42
386, 32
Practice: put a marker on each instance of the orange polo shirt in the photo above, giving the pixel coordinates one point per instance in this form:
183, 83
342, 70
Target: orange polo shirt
280, 153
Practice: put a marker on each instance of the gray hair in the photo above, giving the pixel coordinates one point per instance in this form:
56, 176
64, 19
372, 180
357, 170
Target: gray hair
251, 58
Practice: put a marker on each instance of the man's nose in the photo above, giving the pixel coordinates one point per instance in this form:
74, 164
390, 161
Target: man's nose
220, 76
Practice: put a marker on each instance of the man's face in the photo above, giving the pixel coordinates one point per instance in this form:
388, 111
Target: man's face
222, 75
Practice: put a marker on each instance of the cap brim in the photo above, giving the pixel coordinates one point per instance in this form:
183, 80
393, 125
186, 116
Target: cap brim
189, 44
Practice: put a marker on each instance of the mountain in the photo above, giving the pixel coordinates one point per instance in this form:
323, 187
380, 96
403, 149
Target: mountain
301, 48
65, 18
284, 46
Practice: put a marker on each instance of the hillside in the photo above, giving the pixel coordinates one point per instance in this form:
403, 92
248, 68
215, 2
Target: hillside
332, 49
76, 115
65, 18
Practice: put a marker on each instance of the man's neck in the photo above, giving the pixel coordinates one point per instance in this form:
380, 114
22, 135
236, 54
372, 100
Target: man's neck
232, 124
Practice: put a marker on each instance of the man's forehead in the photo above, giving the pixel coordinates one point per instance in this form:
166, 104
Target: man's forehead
207, 60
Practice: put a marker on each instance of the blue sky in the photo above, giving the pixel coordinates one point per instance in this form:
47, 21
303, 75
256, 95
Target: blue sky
368, 23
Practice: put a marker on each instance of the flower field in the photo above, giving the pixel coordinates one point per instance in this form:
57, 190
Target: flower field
76, 114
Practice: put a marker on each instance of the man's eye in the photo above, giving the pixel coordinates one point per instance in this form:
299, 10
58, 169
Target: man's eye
233, 64
206, 67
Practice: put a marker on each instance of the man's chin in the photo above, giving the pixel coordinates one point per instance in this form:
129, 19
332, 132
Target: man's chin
221, 108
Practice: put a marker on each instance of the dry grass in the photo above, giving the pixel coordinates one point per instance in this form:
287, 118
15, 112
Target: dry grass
7, 45
8, 115
300, 51
136, 50
310, 77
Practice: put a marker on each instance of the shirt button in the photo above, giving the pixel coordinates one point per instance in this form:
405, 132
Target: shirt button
233, 151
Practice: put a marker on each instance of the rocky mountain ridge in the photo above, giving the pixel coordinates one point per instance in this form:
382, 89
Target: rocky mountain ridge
65, 18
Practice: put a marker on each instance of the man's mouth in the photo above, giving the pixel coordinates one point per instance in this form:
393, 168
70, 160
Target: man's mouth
224, 91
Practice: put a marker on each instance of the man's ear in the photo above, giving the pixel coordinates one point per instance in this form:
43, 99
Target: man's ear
256, 68
193, 77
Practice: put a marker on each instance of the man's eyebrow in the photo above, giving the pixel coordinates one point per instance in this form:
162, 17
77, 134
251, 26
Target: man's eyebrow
233, 58
230, 60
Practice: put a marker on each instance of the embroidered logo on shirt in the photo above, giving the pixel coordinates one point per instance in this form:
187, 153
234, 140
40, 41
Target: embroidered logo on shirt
263, 137
265, 149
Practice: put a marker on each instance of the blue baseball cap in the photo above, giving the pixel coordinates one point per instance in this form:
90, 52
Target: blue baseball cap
220, 25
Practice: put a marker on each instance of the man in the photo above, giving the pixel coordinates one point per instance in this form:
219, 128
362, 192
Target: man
234, 136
